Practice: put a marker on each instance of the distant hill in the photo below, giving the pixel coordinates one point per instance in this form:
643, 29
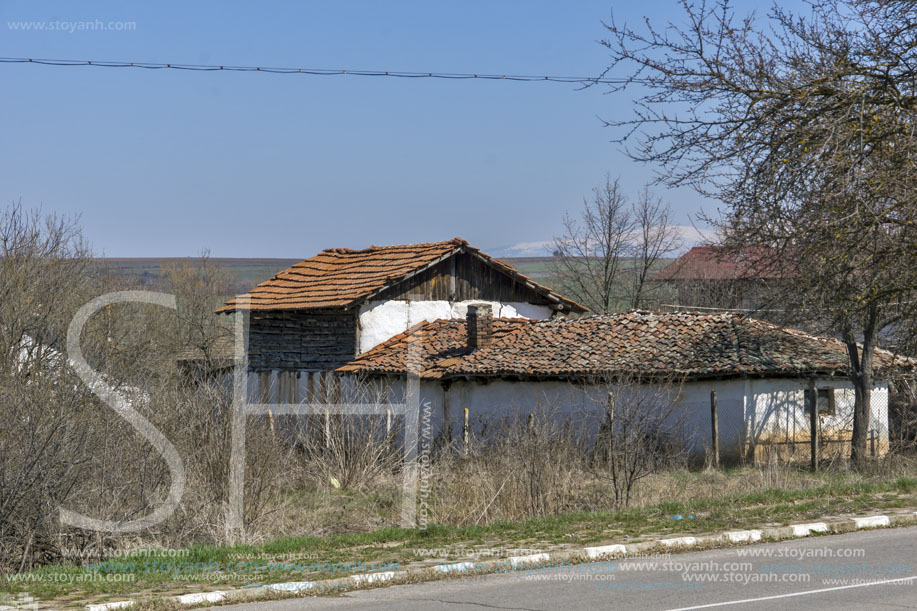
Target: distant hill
249, 272
246, 272
533, 267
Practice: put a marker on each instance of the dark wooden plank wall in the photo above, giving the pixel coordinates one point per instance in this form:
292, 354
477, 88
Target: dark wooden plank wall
473, 280
313, 340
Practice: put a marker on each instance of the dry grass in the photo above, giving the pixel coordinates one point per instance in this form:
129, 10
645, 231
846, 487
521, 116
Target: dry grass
525, 477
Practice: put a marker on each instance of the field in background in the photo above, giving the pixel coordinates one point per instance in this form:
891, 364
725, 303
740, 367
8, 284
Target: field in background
249, 272
537, 268
246, 272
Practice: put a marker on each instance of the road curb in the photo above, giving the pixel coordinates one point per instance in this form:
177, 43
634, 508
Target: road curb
515, 563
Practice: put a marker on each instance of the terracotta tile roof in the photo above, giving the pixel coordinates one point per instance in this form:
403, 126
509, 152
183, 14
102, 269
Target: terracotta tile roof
341, 277
716, 263
645, 344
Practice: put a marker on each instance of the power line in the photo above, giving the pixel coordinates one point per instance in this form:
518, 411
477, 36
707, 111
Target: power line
581, 80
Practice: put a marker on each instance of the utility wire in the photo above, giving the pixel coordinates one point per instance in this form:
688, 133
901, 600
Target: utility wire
581, 80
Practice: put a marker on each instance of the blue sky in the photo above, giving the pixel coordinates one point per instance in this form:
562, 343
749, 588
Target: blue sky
165, 163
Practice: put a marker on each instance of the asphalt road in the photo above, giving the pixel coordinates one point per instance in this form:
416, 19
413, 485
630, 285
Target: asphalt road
865, 570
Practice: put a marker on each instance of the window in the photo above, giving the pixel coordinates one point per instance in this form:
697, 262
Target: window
826, 402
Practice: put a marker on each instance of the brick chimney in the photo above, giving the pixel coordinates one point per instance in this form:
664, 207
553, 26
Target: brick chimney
480, 325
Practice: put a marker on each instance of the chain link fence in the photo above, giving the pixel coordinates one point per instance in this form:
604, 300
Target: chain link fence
786, 435
770, 425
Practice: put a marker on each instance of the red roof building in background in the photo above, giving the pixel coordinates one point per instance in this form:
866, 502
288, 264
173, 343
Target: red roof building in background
718, 263
720, 278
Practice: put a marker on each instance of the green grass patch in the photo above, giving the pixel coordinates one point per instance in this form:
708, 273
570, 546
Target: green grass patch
312, 557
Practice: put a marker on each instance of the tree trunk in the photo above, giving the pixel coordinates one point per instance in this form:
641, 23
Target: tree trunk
861, 374
863, 393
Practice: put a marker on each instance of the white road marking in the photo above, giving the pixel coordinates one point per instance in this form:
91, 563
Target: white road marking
794, 594
804, 530
372, 577
106, 606
742, 536
201, 597
455, 566
530, 559
678, 542
605, 550
872, 522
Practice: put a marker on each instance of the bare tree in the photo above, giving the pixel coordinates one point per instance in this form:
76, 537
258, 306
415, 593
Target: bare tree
200, 288
804, 127
44, 271
45, 274
642, 433
61, 446
591, 251
612, 238
656, 238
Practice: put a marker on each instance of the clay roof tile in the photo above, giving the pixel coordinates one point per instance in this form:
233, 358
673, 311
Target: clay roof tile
666, 344
343, 277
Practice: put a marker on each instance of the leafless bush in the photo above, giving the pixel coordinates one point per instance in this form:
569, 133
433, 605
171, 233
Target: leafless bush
45, 274
200, 288
546, 453
902, 413
351, 451
62, 447
527, 464
200, 426
42, 459
642, 434
555, 458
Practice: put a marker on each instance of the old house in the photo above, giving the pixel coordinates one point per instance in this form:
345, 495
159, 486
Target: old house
495, 367
321, 313
714, 277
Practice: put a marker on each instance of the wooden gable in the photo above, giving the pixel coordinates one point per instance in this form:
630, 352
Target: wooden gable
464, 277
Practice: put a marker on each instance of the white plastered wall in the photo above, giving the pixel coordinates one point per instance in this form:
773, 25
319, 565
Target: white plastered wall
748, 409
584, 406
778, 410
380, 320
